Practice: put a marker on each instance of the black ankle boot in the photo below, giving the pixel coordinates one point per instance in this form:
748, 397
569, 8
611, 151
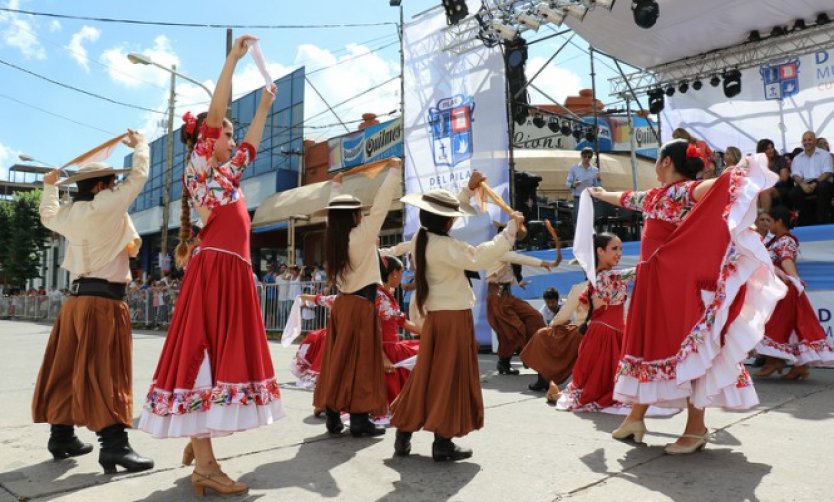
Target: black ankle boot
445, 449
402, 443
361, 425
504, 367
540, 385
116, 450
63, 443
333, 421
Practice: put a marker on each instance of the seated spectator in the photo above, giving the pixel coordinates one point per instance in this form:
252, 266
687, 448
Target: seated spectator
551, 304
812, 171
779, 165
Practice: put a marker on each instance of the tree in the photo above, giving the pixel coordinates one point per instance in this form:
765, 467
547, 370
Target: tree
6, 210
25, 240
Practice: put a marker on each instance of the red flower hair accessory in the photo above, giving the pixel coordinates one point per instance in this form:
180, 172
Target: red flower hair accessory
692, 152
190, 122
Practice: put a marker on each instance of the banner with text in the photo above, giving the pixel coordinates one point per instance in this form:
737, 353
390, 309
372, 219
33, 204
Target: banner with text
613, 132
455, 121
374, 143
779, 100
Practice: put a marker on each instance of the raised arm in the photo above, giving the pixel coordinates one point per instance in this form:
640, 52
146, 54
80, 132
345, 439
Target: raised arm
49, 205
117, 201
223, 90
570, 306
256, 128
479, 257
520, 259
368, 229
613, 198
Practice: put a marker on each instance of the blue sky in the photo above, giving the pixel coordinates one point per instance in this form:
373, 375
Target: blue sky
91, 56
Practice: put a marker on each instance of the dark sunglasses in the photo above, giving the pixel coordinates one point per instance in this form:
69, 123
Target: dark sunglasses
588, 155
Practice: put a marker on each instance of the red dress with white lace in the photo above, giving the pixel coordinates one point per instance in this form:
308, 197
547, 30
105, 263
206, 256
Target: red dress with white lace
592, 379
306, 365
215, 374
793, 332
690, 324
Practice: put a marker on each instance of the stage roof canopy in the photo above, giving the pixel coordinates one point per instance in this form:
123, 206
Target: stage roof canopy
687, 29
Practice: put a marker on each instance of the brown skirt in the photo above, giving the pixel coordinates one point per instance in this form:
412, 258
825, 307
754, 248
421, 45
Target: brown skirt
352, 376
552, 352
514, 322
86, 375
443, 393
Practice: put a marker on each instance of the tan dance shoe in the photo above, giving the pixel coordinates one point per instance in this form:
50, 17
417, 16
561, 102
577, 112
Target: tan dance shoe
553, 393
217, 481
771, 366
676, 449
798, 373
634, 430
188, 454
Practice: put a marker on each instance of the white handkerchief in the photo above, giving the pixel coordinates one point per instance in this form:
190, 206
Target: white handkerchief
293, 327
255, 50
583, 241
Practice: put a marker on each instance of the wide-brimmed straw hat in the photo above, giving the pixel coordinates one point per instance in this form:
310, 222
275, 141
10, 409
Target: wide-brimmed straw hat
439, 201
346, 202
92, 170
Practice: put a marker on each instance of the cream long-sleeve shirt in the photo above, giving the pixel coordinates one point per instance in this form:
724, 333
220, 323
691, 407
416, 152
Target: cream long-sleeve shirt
447, 260
502, 271
100, 234
362, 250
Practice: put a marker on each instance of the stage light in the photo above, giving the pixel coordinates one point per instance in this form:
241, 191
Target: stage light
504, 31
573, 8
732, 83
683, 87
395, 3
538, 120
554, 16
577, 132
565, 129
529, 20
456, 10
778, 31
553, 124
589, 134
670, 90
822, 18
754, 36
799, 25
645, 12
697, 84
714, 81
656, 100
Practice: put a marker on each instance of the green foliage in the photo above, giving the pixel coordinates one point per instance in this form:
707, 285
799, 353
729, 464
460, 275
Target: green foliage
22, 238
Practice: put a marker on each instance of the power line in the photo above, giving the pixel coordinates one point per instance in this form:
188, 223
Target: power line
377, 86
109, 133
197, 25
82, 91
352, 58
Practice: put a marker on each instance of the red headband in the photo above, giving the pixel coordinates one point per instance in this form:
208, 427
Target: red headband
190, 122
693, 152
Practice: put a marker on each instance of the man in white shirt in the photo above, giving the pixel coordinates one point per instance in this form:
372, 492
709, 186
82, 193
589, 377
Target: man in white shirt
551, 305
812, 170
582, 176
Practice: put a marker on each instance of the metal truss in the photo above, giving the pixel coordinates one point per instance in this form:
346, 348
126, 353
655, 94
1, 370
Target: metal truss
746, 55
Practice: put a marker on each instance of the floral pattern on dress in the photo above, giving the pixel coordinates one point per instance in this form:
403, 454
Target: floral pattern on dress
612, 285
570, 400
671, 203
223, 394
210, 184
783, 248
325, 300
666, 369
388, 309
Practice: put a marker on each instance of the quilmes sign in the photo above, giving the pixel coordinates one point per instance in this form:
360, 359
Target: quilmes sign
368, 145
612, 133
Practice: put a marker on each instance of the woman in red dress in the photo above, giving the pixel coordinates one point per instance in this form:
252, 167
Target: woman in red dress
793, 334
215, 375
704, 290
592, 379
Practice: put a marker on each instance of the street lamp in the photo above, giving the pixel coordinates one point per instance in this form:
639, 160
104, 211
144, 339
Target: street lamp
137, 58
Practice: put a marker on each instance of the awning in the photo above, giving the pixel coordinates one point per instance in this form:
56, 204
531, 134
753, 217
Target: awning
304, 201
553, 167
686, 29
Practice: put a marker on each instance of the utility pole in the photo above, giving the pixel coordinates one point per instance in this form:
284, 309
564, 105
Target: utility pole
169, 168
594, 104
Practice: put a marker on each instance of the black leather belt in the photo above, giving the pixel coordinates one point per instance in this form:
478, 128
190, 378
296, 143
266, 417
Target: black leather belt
87, 286
368, 292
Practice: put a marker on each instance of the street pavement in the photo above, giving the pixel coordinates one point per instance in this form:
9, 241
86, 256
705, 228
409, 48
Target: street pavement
527, 451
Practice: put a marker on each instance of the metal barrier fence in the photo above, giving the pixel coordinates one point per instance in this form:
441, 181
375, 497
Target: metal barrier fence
153, 309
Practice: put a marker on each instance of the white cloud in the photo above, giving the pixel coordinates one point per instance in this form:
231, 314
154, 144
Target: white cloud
557, 82
54, 26
76, 45
7, 158
126, 73
18, 31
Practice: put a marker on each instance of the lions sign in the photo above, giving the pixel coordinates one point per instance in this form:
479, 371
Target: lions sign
780, 80
450, 129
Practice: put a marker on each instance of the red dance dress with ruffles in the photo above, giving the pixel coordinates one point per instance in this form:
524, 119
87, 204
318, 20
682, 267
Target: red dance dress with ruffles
704, 290
793, 332
215, 374
592, 379
306, 365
